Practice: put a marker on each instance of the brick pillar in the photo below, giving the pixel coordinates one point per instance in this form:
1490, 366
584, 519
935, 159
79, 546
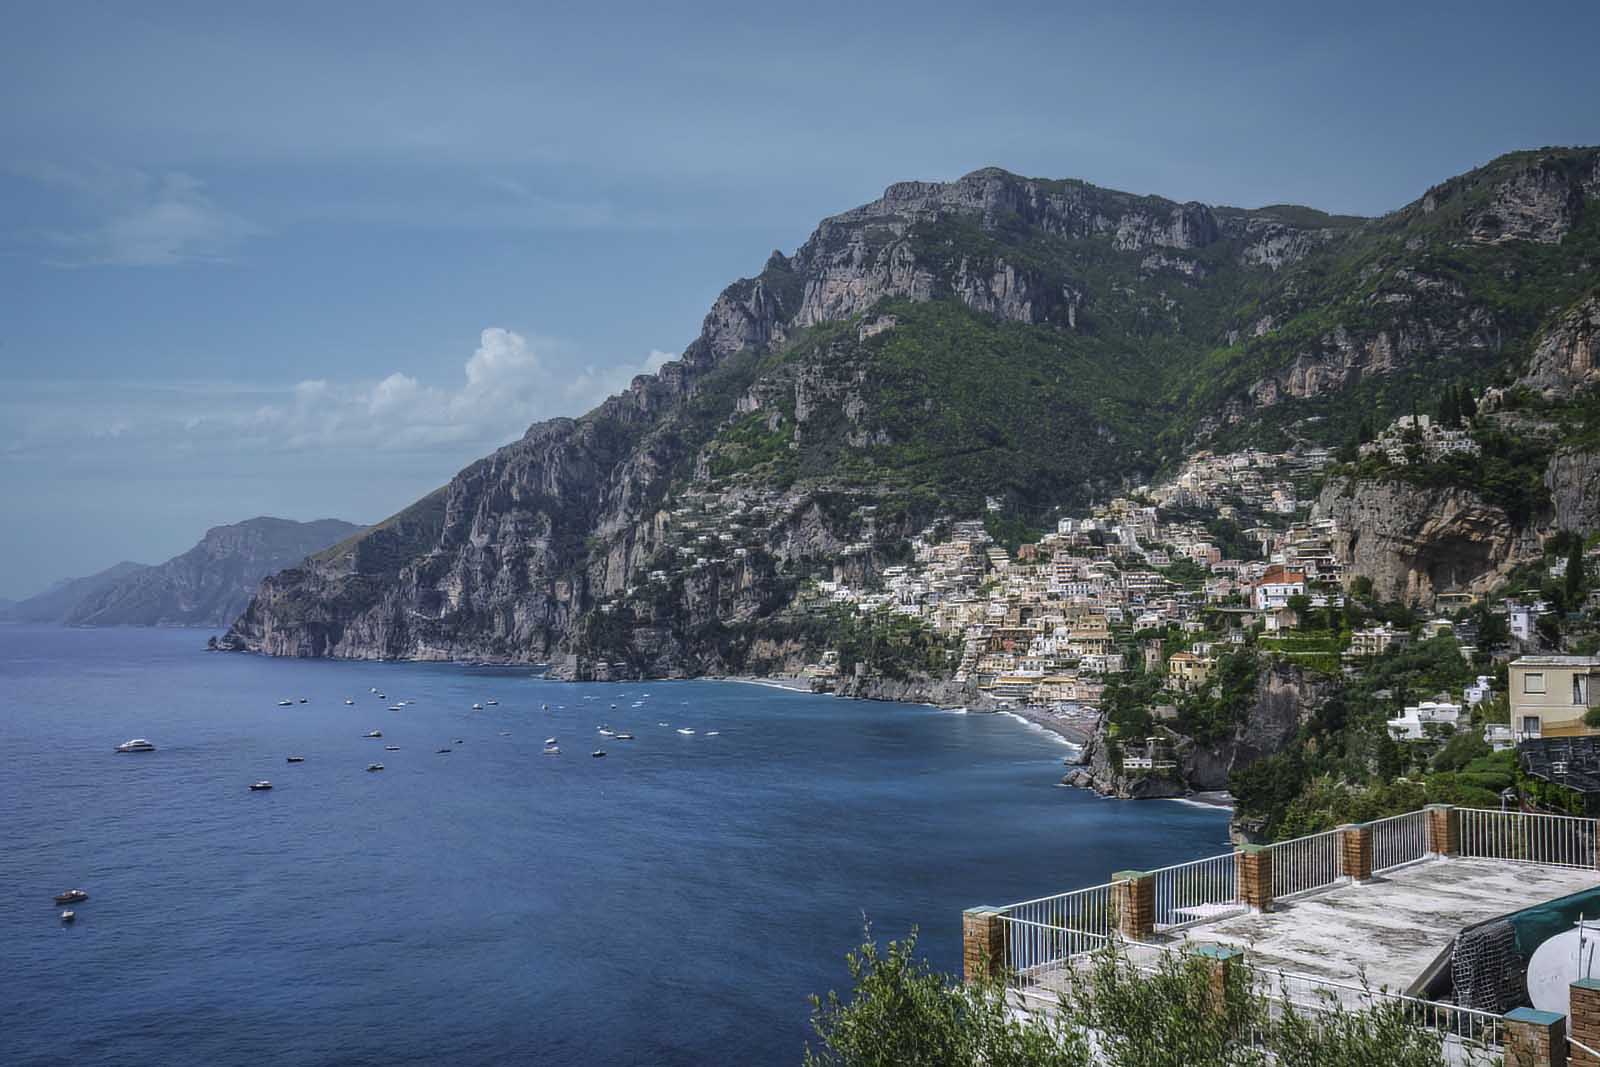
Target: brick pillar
1254, 863
1220, 960
983, 943
1443, 837
1536, 1038
1583, 1020
1355, 852
1133, 898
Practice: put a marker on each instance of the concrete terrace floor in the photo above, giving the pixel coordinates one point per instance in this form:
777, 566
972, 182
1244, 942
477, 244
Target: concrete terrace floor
1391, 928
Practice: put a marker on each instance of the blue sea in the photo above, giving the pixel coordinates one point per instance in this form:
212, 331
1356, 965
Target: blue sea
672, 903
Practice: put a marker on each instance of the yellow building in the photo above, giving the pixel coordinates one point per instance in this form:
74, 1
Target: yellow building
1186, 670
1551, 694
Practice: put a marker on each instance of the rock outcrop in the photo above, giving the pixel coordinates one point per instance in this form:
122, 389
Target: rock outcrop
1567, 358
1414, 543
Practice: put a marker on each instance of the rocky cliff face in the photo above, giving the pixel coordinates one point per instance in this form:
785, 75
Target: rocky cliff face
1284, 701
1043, 340
1415, 543
1567, 357
212, 582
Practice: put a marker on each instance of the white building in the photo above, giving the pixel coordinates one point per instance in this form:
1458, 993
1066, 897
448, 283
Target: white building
1424, 720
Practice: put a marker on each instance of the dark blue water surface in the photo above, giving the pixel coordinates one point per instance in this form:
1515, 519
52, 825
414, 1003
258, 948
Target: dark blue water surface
673, 903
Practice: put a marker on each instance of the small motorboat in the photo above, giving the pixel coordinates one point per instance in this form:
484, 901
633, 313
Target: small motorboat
442, 751
372, 689
505, 733
477, 707
663, 724
598, 753
460, 740
347, 700
549, 741
713, 733
374, 733
72, 896
261, 786
374, 766
294, 759
397, 707
552, 750
624, 737
68, 915
613, 707
302, 700
544, 707
606, 731
491, 703
138, 744
685, 730
391, 748
382, 697
285, 703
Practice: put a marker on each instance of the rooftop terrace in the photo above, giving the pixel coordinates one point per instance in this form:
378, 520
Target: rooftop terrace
1359, 914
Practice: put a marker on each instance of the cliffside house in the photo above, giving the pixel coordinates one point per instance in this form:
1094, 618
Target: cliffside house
1188, 670
1275, 588
1551, 694
1426, 720
1376, 640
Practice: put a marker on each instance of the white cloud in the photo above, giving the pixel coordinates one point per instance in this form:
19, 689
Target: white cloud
134, 219
506, 384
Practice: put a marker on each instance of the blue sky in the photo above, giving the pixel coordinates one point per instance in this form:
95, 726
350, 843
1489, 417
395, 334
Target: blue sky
309, 260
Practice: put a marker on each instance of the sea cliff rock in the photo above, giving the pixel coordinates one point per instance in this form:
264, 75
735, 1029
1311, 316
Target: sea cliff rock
1414, 543
1568, 357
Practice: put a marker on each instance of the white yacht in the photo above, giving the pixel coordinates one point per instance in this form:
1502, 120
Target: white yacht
491, 703
549, 742
477, 707
349, 701
285, 703
374, 733
261, 786
685, 730
138, 744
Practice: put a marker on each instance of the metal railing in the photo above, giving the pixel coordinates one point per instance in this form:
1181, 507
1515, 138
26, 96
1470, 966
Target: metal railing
1399, 839
1523, 837
1039, 957
1042, 935
1198, 891
1306, 993
1305, 863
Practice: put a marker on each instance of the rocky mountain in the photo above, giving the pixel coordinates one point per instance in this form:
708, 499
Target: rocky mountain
210, 584
1037, 342
57, 602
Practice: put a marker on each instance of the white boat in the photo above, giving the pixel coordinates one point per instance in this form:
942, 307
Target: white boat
685, 730
663, 724
552, 750
347, 700
549, 741
598, 753
624, 737
294, 759
302, 700
544, 707
397, 707
713, 733
374, 766
374, 733
391, 748
68, 915
505, 733
261, 786
477, 707
285, 703
372, 689
491, 703
605, 731
138, 744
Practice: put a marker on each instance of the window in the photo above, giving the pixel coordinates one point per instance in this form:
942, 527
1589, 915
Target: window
1530, 726
1577, 689
1533, 683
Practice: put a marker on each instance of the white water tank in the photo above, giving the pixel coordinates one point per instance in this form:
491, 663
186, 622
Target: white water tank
1559, 962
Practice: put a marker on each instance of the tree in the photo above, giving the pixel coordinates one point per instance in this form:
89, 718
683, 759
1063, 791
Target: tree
1469, 405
